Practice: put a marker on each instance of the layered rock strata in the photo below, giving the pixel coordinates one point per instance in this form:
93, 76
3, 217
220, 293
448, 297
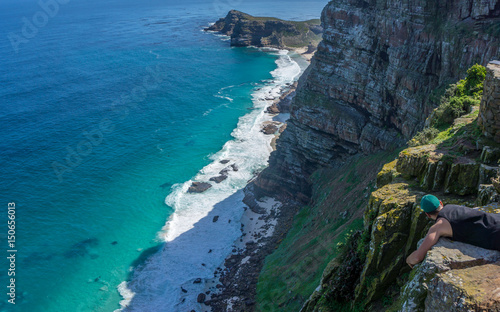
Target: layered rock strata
369, 84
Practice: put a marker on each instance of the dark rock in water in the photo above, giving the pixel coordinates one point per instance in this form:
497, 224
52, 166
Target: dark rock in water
197, 281
219, 179
81, 248
224, 161
215, 219
210, 251
114, 243
225, 170
183, 290
201, 298
235, 167
270, 128
165, 185
273, 109
199, 187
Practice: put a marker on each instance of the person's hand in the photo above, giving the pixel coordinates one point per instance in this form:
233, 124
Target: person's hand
412, 259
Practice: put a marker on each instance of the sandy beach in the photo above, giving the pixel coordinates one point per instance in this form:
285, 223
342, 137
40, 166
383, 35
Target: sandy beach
304, 53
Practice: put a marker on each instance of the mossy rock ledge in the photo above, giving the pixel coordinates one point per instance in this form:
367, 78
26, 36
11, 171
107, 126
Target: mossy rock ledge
453, 275
443, 171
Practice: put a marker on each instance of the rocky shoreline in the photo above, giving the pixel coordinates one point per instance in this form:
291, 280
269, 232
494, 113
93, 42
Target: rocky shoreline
265, 223
279, 109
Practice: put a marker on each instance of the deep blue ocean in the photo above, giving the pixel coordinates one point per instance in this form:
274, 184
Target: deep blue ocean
108, 110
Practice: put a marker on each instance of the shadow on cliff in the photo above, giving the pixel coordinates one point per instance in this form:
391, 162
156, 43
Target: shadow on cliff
194, 254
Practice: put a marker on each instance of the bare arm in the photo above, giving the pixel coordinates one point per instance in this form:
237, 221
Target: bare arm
441, 228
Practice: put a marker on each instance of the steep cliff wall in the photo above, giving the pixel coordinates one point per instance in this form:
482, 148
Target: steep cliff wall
370, 85
489, 117
458, 167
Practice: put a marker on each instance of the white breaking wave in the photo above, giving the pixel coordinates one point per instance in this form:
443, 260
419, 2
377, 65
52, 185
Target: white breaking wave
200, 234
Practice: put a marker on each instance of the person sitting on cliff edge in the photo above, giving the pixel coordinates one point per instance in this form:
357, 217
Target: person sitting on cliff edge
459, 223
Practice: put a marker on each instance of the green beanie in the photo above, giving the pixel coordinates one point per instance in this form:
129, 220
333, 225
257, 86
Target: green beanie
429, 203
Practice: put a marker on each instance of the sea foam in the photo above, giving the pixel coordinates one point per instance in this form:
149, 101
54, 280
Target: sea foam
201, 232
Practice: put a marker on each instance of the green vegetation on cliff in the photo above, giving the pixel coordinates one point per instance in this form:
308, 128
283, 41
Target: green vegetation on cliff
454, 166
460, 99
363, 268
319, 232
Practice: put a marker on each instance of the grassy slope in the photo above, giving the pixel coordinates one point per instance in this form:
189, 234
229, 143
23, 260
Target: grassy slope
293, 271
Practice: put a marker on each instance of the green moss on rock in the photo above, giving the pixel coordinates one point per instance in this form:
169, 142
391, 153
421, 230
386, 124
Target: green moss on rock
412, 161
463, 178
387, 174
390, 211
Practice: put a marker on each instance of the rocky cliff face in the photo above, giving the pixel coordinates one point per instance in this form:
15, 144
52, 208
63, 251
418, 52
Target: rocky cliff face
454, 276
246, 30
371, 82
489, 117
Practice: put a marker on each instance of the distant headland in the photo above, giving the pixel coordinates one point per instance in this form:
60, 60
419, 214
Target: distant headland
247, 30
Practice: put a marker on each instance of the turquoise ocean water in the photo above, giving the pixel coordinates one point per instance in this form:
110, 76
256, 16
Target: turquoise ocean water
108, 108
